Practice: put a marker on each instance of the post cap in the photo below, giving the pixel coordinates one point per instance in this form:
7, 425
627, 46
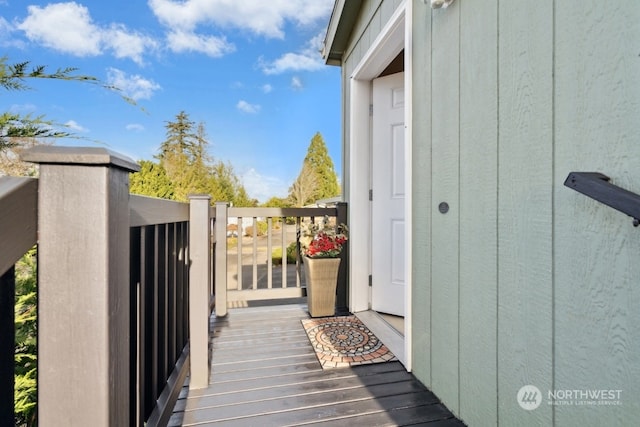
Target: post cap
98, 156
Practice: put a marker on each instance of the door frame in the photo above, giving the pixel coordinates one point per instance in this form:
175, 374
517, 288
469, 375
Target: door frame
394, 37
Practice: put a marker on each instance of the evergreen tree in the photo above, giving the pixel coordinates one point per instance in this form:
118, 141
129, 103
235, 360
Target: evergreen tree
151, 180
323, 182
226, 186
199, 171
242, 198
178, 155
185, 157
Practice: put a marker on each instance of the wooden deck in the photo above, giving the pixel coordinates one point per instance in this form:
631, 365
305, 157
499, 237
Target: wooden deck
265, 373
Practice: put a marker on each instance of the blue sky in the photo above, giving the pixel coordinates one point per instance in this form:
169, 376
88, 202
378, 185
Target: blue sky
250, 70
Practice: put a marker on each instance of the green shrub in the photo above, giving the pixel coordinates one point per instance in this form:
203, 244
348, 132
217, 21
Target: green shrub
25, 396
261, 226
276, 254
291, 253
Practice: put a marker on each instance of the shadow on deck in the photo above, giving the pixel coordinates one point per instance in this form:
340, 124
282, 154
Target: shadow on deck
265, 373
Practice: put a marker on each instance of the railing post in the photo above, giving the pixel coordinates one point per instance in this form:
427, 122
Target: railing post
221, 259
83, 286
342, 292
199, 274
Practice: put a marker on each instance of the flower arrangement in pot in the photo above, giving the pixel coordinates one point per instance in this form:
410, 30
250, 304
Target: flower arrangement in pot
321, 246
323, 240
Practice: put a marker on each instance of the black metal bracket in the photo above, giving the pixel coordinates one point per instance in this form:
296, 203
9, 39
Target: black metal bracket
598, 187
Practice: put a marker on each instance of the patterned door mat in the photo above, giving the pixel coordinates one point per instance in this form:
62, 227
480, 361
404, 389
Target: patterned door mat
344, 341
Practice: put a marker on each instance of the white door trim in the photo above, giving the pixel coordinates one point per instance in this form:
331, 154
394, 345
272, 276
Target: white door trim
395, 36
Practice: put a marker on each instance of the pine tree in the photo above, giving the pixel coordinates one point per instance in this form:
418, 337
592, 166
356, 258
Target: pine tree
323, 181
151, 180
226, 186
199, 176
178, 154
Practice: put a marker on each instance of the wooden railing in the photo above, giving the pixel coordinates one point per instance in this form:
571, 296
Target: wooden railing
126, 285
246, 272
115, 274
159, 281
18, 212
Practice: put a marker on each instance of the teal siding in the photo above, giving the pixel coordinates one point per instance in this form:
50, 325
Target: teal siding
525, 281
445, 187
525, 188
478, 217
596, 272
421, 204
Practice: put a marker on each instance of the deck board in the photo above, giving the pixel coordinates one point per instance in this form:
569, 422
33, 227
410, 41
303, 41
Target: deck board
265, 373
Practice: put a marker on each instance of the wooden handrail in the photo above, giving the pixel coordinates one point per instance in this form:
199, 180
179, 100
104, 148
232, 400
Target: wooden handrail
281, 212
18, 227
151, 211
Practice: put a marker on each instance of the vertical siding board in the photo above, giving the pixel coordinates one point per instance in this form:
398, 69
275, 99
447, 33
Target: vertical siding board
478, 217
421, 193
445, 188
359, 29
525, 207
597, 95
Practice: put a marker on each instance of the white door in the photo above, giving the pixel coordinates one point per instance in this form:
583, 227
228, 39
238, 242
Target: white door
388, 185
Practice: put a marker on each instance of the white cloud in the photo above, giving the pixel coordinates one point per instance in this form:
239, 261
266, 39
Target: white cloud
63, 26
5, 26
22, 108
263, 187
73, 125
69, 28
187, 41
265, 18
296, 83
134, 127
267, 88
127, 44
245, 107
308, 59
5, 35
134, 86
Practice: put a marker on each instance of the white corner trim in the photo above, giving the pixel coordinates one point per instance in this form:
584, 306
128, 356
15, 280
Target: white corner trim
408, 120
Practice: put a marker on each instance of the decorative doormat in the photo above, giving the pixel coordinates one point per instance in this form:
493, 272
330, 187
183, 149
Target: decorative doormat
344, 341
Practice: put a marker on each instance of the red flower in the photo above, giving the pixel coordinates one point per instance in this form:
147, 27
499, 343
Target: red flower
325, 242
